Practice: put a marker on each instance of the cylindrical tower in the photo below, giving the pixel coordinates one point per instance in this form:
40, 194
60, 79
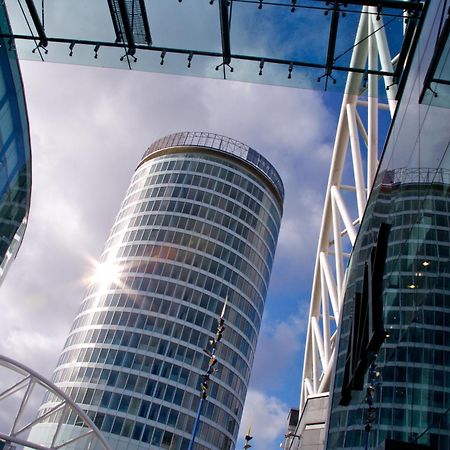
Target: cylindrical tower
410, 391
199, 223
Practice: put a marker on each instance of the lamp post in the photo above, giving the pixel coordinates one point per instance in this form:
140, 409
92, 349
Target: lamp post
248, 438
370, 399
211, 369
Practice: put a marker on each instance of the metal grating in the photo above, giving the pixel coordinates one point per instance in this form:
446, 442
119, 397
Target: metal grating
137, 20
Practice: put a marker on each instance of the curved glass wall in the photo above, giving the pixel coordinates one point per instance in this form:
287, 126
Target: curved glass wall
411, 384
15, 152
197, 225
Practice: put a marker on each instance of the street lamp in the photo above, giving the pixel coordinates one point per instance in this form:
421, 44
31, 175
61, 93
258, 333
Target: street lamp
211, 369
248, 438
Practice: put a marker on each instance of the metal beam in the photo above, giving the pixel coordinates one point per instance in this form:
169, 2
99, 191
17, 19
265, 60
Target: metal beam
406, 45
411, 5
332, 38
23, 408
148, 36
117, 31
329, 282
182, 51
127, 27
37, 23
225, 31
437, 55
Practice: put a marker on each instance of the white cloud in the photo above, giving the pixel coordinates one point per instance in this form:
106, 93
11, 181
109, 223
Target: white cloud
266, 415
278, 354
20, 343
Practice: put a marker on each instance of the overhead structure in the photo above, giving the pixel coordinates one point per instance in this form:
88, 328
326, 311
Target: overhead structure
20, 400
130, 22
356, 146
201, 37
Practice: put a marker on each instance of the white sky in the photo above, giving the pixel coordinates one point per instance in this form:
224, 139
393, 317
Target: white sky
89, 129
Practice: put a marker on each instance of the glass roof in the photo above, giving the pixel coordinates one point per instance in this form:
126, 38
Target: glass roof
436, 91
305, 43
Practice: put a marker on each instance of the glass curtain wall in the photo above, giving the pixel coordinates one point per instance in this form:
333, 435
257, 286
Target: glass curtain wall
198, 225
15, 152
412, 194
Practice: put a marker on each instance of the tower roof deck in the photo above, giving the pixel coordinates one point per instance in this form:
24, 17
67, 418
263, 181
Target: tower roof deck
223, 144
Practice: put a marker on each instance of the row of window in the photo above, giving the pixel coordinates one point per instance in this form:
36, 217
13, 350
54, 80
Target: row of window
261, 259
150, 393
154, 365
416, 218
420, 232
410, 288
416, 395
247, 299
201, 280
415, 343
436, 356
161, 346
413, 265
247, 226
155, 410
151, 233
221, 252
184, 186
153, 343
429, 299
170, 287
155, 256
199, 198
139, 384
223, 245
356, 438
401, 212
207, 165
215, 167
412, 365
183, 308
394, 416
425, 205
421, 315
178, 329
165, 277
154, 435
417, 201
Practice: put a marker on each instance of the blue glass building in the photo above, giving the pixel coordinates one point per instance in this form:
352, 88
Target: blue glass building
198, 224
411, 376
15, 152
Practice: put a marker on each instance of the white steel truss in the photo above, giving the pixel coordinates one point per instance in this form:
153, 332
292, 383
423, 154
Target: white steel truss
23, 413
345, 204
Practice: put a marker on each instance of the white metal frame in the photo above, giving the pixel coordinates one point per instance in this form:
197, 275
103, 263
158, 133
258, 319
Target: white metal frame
21, 391
344, 205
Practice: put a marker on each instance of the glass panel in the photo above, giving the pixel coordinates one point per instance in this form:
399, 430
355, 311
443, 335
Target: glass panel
268, 42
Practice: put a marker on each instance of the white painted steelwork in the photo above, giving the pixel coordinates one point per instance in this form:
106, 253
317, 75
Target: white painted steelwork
25, 381
345, 205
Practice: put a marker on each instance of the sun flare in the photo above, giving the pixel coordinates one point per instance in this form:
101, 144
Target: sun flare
106, 273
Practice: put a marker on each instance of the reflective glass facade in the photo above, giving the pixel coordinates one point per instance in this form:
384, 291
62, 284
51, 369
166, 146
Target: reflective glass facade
198, 224
15, 152
412, 194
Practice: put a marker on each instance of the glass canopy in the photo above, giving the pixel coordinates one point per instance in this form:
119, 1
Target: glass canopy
305, 43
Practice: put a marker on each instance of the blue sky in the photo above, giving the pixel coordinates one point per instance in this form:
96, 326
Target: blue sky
89, 128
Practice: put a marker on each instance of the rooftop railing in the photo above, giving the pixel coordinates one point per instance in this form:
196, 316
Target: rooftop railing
221, 143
